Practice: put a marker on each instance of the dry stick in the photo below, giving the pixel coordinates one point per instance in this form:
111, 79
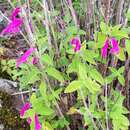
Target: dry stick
41, 67
119, 11
48, 20
73, 13
126, 20
45, 6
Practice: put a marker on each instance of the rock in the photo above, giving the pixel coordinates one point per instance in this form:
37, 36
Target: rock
8, 86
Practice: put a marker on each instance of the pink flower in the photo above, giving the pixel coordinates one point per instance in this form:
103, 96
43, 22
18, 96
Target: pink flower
76, 43
29, 120
24, 57
15, 12
25, 107
37, 123
114, 50
14, 25
105, 48
115, 46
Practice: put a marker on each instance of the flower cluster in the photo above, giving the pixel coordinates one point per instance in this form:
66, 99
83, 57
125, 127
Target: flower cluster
114, 50
15, 23
23, 110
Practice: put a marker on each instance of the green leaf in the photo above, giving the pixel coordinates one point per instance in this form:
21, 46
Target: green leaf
96, 76
73, 86
121, 69
82, 73
128, 46
92, 86
40, 107
46, 126
81, 32
103, 27
43, 91
55, 74
128, 15
73, 67
114, 71
121, 80
110, 78
42, 88
72, 30
121, 55
101, 39
47, 59
89, 56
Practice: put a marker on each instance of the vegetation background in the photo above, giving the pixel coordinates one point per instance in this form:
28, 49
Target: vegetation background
68, 90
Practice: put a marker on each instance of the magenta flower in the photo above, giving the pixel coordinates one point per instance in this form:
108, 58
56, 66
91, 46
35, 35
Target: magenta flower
37, 123
29, 120
105, 48
114, 50
24, 57
115, 47
76, 43
25, 107
14, 25
15, 12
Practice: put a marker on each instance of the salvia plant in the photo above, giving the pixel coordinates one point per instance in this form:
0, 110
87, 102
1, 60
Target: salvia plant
72, 75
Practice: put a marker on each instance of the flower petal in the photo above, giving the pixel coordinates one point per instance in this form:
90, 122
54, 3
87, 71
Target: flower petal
15, 12
76, 43
37, 123
24, 57
13, 27
105, 48
25, 107
29, 120
115, 47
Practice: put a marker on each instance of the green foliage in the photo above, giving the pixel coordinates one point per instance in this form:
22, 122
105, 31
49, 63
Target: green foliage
117, 111
61, 71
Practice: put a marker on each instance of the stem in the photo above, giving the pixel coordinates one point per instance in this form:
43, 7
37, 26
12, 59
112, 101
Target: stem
87, 110
73, 13
45, 7
106, 108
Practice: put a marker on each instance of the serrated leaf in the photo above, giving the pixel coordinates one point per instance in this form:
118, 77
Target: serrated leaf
73, 86
55, 74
